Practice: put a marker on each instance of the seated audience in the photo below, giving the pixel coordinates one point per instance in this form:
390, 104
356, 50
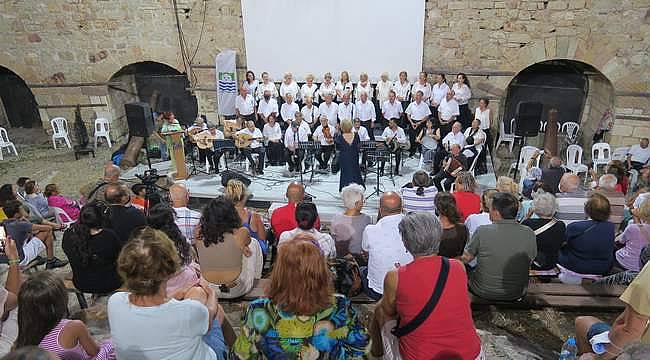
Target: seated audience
31, 239
454, 163
419, 194
607, 187
635, 238
527, 204
448, 331
97, 189
468, 202
8, 300
473, 221
301, 316
8, 192
347, 228
284, 218
383, 244
506, 184
35, 197
42, 321
55, 199
549, 232
552, 174
571, 199
629, 327
504, 251
124, 217
230, 260
237, 192
590, 243
186, 219
626, 277
93, 250
533, 176
20, 186
638, 155
618, 169
145, 323
306, 216
454, 232
139, 200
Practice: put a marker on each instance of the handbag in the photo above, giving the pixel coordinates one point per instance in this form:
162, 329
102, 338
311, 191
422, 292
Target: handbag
347, 277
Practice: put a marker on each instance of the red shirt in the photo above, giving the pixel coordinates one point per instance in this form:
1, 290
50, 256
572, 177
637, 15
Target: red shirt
448, 332
284, 219
468, 203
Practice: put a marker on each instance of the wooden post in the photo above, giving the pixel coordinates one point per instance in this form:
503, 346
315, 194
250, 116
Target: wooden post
178, 153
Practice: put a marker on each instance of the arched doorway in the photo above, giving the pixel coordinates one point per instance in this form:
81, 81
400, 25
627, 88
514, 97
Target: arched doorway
18, 106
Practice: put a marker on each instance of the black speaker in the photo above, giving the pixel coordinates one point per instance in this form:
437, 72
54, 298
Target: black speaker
139, 118
227, 175
527, 118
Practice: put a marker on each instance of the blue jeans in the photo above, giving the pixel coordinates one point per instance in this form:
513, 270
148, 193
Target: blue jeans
366, 289
214, 339
164, 155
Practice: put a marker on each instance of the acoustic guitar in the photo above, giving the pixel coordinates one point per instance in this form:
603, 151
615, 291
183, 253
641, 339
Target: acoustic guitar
204, 140
244, 140
191, 133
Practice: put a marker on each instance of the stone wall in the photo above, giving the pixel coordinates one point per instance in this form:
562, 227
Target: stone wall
86, 42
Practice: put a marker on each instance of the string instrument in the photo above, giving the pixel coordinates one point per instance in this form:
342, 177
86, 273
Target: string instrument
204, 140
453, 165
192, 133
327, 134
394, 146
244, 140
230, 127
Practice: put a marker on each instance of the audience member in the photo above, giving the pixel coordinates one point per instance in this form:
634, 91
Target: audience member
30, 353
124, 217
8, 300
8, 192
230, 260
618, 169
186, 219
549, 232
638, 155
139, 198
454, 232
571, 199
590, 243
533, 176
625, 277
504, 251
474, 221
93, 250
447, 331
527, 204
419, 194
55, 199
383, 244
237, 192
607, 187
347, 228
306, 216
97, 189
42, 321
20, 186
634, 239
506, 184
552, 174
284, 218
35, 197
301, 316
468, 202
453, 164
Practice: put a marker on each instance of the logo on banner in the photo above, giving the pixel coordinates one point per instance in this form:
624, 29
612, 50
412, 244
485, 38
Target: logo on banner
227, 82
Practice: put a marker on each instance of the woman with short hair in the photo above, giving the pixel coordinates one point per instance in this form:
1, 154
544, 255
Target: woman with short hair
454, 233
347, 228
289, 86
34, 196
266, 85
308, 89
550, 232
363, 86
419, 194
348, 144
343, 86
301, 317
237, 192
306, 216
327, 87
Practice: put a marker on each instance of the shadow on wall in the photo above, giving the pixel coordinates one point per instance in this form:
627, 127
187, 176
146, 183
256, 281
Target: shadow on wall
18, 107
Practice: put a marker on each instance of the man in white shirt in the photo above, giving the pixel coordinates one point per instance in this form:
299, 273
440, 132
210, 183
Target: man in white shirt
267, 106
383, 244
448, 111
266, 85
329, 109
363, 132
364, 110
299, 131
394, 136
391, 108
417, 114
288, 110
456, 136
638, 155
245, 105
310, 112
325, 135
346, 108
199, 125
186, 219
255, 147
474, 221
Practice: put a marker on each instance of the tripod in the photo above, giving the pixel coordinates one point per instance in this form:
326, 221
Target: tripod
195, 169
308, 148
379, 156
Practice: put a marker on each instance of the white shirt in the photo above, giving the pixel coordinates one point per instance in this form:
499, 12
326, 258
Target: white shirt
365, 111
398, 133
383, 88
270, 86
306, 90
418, 112
367, 88
203, 126
484, 117
392, 110
426, 91
245, 105
303, 135
310, 114
255, 134
447, 110
251, 87
475, 220
325, 241
363, 133
288, 111
272, 132
326, 89
319, 136
267, 108
639, 154
452, 138
187, 219
479, 137
385, 248
292, 89
347, 88
402, 90
438, 92
462, 93
330, 111
345, 111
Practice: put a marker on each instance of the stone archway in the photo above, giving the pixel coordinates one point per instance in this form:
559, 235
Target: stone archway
18, 107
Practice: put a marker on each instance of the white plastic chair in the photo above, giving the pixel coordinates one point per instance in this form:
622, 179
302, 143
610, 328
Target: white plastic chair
543, 126
60, 131
526, 154
571, 130
601, 154
102, 129
620, 153
5, 143
505, 137
574, 159
62, 217
473, 166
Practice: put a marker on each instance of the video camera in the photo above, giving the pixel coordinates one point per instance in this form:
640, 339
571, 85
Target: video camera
149, 177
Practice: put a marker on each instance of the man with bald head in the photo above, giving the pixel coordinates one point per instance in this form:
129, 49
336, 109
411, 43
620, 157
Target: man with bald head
124, 218
186, 219
571, 199
284, 218
97, 189
383, 244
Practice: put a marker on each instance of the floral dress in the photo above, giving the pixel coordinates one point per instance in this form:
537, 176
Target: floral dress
270, 333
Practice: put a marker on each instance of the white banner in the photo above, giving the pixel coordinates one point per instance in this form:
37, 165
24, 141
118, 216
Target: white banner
226, 82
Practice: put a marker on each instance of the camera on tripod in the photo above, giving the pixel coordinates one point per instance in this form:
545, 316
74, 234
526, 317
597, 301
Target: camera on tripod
152, 193
149, 177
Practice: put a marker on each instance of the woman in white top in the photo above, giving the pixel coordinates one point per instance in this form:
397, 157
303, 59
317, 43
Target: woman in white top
273, 139
438, 92
429, 138
343, 86
402, 88
326, 87
363, 86
250, 83
289, 86
266, 84
288, 110
484, 115
308, 88
306, 216
384, 86
310, 113
422, 85
462, 94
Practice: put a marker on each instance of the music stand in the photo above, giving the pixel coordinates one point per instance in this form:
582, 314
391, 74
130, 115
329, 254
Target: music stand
195, 169
379, 156
224, 145
309, 149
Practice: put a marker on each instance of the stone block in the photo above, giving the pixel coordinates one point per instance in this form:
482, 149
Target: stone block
457, 5
622, 130
549, 46
519, 37
481, 4
446, 43
641, 132
577, 4
558, 5
499, 4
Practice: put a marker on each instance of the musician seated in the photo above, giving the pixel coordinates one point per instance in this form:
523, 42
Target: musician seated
474, 140
298, 132
453, 163
455, 136
249, 139
362, 131
198, 126
396, 140
273, 139
324, 133
205, 142
429, 138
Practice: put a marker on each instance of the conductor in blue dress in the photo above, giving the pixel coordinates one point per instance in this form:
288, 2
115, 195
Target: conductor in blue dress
347, 144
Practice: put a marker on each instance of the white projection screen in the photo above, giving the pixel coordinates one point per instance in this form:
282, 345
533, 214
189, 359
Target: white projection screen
317, 36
